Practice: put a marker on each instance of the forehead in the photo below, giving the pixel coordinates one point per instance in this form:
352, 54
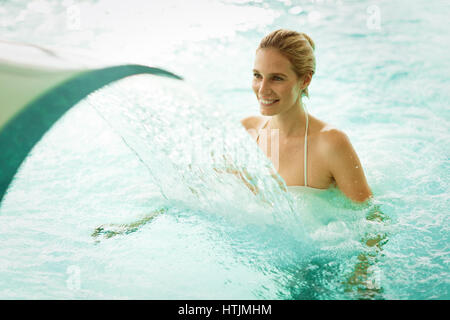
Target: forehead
270, 60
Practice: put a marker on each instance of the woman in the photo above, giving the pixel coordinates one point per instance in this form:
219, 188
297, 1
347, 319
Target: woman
283, 69
312, 153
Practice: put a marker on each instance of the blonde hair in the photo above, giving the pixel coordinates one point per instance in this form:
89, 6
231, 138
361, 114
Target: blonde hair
297, 47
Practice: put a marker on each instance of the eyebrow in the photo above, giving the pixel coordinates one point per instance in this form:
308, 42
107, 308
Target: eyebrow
273, 74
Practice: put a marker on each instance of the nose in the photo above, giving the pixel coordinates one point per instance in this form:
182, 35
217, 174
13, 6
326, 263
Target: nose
264, 88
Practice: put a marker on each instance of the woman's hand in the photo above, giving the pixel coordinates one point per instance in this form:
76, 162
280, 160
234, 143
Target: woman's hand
243, 174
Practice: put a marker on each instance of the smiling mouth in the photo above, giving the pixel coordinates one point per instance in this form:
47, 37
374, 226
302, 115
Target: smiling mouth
268, 102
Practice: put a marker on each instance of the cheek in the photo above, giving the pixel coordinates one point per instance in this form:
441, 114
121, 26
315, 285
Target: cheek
294, 93
255, 86
288, 94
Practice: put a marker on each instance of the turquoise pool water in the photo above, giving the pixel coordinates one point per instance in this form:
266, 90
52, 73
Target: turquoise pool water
144, 144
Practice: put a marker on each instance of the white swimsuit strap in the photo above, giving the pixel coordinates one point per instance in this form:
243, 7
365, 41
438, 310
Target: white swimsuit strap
306, 147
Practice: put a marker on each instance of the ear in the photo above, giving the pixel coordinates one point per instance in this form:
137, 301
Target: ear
307, 80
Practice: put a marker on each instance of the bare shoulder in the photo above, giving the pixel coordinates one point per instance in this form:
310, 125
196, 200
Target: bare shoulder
331, 139
342, 162
336, 148
334, 138
253, 122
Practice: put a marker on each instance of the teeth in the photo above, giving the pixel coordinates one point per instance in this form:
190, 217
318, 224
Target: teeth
267, 101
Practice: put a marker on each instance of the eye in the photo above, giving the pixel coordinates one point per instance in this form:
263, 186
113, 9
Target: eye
277, 78
256, 75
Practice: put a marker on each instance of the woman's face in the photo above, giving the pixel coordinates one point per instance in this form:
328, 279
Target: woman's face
275, 83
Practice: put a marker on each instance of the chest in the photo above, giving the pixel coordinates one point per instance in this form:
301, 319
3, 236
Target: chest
288, 158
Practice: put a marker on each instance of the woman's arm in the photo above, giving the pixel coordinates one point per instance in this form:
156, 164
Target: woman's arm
363, 278
111, 230
346, 167
242, 174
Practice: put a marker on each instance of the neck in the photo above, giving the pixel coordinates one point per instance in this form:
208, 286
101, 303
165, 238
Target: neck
291, 122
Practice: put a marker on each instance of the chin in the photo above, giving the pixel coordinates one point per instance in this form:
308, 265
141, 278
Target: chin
267, 112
